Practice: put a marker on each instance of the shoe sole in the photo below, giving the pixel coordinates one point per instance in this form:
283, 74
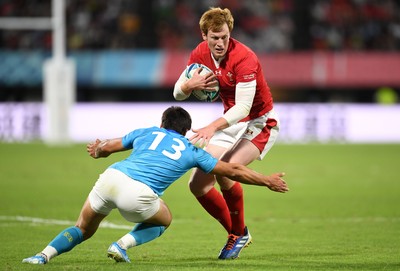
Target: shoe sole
116, 257
34, 262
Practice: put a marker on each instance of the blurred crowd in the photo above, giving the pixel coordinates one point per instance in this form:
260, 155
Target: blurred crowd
265, 25
356, 25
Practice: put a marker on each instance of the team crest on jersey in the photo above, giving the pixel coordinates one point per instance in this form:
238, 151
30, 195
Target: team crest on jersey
230, 76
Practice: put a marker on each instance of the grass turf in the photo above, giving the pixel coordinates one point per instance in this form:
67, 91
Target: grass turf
342, 212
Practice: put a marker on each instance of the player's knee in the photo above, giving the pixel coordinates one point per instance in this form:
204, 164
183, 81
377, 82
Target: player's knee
200, 184
86, 232
199, 189
168, 218
225, 183
163, 217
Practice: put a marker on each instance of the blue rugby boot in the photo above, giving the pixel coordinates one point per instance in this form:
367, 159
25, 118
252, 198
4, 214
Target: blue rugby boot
117, 253
234, 245
37, 259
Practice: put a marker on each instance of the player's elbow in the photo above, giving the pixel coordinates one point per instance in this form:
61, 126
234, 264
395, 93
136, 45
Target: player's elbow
235, 171
225, 169
178, 94
244, 109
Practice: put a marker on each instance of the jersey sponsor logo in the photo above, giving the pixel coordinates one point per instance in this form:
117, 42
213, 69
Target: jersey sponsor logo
249, 76
218, 72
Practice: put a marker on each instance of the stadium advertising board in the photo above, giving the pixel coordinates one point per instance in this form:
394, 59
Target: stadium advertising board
300, 123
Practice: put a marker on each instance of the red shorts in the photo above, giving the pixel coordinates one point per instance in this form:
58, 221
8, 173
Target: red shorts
262, 132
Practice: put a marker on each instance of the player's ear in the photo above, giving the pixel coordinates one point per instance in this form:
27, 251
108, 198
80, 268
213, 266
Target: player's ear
204, 35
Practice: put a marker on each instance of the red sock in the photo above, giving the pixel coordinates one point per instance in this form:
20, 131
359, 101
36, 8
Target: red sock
215, 205
235, 202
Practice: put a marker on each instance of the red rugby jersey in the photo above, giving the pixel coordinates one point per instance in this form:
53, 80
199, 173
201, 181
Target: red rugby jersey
239, 65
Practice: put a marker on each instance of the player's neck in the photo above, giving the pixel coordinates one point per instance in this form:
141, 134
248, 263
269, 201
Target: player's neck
217, 61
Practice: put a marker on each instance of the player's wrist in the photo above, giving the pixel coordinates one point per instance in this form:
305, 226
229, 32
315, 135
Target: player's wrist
186, 89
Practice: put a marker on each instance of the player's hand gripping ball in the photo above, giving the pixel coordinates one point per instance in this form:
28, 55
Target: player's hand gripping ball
202, 95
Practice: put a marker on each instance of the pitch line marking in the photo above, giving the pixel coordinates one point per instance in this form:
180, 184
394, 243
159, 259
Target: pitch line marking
110, 225
104, 224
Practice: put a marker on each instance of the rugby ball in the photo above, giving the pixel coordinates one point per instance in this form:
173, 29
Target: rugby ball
202, 95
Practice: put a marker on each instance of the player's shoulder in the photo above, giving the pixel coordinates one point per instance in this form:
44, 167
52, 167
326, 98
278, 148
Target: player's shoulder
134, 133
241, 57
147, 129
201, 50
202, 46
142, 131
240, 50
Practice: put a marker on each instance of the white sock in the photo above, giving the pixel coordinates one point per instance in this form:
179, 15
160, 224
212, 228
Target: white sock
127, 241
50, 252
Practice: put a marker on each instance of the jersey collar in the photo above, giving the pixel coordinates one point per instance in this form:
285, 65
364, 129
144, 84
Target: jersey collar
217, 62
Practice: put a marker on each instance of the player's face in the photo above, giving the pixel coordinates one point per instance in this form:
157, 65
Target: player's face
218, 41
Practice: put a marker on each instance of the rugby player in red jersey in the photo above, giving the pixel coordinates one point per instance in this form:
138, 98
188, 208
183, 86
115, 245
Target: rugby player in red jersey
245, 132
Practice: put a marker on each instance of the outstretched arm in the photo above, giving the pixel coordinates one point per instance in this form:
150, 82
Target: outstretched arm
103, 148
245, 175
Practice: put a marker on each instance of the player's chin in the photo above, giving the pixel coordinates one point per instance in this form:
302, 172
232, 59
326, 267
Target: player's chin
219, 53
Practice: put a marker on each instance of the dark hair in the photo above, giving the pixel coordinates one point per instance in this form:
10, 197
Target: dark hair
176, 118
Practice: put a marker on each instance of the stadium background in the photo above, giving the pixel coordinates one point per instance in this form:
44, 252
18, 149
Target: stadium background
324, 53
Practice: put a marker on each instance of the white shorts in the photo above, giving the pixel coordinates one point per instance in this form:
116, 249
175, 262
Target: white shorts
262, 132
114, 190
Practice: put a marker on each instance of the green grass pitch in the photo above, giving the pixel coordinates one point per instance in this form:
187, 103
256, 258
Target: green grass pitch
342, 212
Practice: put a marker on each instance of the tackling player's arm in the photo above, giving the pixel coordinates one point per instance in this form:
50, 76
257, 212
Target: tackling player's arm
103, 148
246, 175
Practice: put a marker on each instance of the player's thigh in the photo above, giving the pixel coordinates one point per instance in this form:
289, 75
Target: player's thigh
135, 201
227, 137
200, 183
262, 132
243, 152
